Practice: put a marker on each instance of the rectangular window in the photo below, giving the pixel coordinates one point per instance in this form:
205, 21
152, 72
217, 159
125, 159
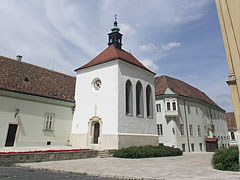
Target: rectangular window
205, 129
174, 106
191, 129
192, 146
207, 114
199, 130
183, 148
200, 146
168, 106
182, 129
160, 129
158, 106
49, 118
188, 109
196, 110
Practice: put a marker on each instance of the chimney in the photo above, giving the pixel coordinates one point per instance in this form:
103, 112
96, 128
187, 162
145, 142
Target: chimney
19, 58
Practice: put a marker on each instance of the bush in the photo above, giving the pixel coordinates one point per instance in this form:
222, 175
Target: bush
226, 159
147, 152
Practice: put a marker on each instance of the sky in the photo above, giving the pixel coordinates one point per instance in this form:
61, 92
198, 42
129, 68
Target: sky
181, 39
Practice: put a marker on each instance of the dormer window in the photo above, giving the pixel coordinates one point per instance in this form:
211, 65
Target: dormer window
174, 106
171, 104
168, 106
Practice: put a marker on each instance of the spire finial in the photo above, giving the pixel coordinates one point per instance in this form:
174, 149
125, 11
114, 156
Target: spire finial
115, 24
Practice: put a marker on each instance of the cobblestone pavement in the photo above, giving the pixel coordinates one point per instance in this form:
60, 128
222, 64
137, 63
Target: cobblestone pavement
18, 173
190, 166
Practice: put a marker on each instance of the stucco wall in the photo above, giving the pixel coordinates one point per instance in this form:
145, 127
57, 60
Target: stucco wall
133, 124
105, 99
31, 121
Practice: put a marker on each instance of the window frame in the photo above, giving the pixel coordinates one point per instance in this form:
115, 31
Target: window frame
49, 126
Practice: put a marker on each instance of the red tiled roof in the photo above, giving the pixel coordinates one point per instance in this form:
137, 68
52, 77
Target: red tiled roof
30, 79
112, 53
230, 118
181, 88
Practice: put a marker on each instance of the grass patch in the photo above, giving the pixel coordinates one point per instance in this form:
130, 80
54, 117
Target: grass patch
147, 152
226, 159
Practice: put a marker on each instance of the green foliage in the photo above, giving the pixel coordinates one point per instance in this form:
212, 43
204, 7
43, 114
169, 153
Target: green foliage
226, 159
147, 152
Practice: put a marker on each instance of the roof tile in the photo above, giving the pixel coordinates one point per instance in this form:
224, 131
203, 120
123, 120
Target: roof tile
30, 79
112, 53
180, 88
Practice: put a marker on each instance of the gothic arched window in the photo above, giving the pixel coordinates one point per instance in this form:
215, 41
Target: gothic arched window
139, 99
129, 102
149, 102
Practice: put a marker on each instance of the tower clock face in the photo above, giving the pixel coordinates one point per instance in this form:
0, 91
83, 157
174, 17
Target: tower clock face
97, 84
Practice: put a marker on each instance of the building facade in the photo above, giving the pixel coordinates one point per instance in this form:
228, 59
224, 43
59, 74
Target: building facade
35, 108
187, 118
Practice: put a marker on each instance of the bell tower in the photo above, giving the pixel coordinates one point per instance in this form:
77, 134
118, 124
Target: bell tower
115, 37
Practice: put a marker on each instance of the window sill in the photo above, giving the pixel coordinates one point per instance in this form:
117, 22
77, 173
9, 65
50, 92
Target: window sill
140, 116
129, 115
150, 117
51, 130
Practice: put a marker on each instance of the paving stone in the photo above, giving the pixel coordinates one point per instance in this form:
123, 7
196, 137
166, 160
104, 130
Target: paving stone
194, 166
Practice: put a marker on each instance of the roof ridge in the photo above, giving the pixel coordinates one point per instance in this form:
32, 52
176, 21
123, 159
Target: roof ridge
23, 62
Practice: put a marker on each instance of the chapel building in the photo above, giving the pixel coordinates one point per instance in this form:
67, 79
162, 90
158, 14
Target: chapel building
114, 99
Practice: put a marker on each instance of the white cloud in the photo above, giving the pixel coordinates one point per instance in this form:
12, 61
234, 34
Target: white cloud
127, 29
170, 45
150, 64
148, 47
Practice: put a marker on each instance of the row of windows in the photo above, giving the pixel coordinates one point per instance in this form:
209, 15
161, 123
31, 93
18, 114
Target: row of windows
192, 147
225, 137
139, 100
206, 113
171, 106
160, 129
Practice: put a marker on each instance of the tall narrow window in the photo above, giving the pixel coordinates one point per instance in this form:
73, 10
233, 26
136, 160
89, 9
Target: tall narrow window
139, 100
160, 129
232, 136
158, 106
182, 129
196, 108
191, 129
183, 147
49, 122
149, 102
200, 146
189, 110
168, 106
199, 130
174, 106
129, 104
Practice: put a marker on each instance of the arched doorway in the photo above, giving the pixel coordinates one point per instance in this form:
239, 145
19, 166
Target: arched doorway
96, 133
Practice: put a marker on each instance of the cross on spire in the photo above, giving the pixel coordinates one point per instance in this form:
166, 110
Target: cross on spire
115, 17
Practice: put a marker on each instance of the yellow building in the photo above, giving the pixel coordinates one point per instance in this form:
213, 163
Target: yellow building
229, 17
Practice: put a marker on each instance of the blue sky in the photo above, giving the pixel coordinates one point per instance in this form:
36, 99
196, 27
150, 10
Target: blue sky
181, 39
